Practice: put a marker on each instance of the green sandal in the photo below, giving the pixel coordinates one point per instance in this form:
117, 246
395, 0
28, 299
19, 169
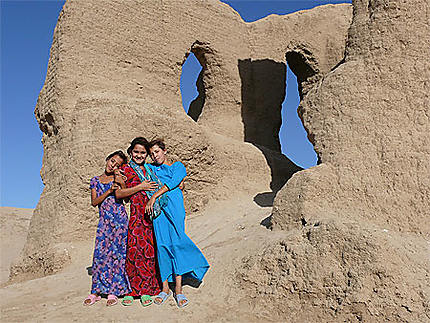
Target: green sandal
145, 298
127, 298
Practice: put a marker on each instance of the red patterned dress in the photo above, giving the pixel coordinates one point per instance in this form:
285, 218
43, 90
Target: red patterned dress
141, 258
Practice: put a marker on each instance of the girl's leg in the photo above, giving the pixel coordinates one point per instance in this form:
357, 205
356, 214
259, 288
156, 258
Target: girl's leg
166, 286
159, 300
178, 286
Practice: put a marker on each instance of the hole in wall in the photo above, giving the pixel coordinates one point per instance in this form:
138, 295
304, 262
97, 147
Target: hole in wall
292, 135
192, 87
271, 93
263, 91
270, 98
300, 61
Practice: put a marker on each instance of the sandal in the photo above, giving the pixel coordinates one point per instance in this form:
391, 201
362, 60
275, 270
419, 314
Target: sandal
112, 298
144, 300
179, 298
127, 300
92, 299
163, 297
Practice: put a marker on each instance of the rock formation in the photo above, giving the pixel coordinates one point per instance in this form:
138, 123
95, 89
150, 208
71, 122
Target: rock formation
114, 74
358, 243
351, 232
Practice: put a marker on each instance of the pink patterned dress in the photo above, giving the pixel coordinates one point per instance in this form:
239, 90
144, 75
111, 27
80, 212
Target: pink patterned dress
109, 275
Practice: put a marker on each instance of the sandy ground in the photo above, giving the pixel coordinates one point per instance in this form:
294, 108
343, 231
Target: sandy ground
225, 232
14, 224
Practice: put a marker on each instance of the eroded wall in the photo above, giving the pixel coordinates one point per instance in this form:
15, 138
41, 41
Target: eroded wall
369, 122
114, 74
354, 230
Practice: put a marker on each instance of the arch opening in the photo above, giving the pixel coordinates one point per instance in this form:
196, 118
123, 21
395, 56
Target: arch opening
293, 137
192, 87
270, 99
263, 91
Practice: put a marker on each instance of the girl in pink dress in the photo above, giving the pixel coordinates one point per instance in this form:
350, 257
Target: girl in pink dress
109, 276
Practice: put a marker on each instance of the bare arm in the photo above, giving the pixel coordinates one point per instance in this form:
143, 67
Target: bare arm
150, 204
182, 185
177, 180
126, 192
97, 200
120, 178
160, 192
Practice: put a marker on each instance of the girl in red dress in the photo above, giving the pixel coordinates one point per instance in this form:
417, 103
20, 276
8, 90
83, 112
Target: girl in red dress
140, 263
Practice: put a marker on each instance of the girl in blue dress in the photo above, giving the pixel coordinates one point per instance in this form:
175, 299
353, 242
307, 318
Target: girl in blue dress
177, 254
109, 276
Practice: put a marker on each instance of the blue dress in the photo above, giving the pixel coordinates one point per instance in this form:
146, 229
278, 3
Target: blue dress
177, 254
109, 275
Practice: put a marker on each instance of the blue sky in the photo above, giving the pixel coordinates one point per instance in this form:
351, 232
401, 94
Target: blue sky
26, 36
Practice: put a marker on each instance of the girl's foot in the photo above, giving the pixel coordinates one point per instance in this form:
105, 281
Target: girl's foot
145, 300
181, 300
112, 300
161, 298
91, 299
127, 300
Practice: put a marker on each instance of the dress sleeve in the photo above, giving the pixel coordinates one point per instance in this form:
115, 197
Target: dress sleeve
178, 174
132, 178
93, 182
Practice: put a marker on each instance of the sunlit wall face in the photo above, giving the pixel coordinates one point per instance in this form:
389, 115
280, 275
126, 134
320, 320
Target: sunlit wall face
26, 36
292, 135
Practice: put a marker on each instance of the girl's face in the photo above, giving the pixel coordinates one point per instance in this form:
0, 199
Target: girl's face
139, 154
113, 163
158, 155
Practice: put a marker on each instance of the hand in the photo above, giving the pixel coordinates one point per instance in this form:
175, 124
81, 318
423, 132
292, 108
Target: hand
149, 208
182, 185
114, 187
119, 176
148, 186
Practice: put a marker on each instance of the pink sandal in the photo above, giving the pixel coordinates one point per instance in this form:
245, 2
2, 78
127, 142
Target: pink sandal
93, 298
110, 298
